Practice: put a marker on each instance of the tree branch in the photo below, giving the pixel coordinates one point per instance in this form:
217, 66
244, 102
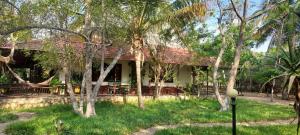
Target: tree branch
21, 28
235, 10
108, 69
245, 10
11, 4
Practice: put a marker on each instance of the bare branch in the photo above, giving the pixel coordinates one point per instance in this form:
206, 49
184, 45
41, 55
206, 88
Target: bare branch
11, 4
235, 10
220, 11
245, 10
21, 28
9, 58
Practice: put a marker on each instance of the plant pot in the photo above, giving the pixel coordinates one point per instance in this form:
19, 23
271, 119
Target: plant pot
54, 90
77, 89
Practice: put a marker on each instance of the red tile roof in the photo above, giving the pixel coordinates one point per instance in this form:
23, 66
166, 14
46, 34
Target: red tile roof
170, 55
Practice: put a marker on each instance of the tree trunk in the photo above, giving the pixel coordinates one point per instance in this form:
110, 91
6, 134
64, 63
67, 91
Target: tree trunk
66, 71
272, 90
198, 91
297, 103
238, 49
223, 106
105, 73
138, 78
155, 96
88, 79
234, 68
90, 110
82, 89
68, 76
156, 81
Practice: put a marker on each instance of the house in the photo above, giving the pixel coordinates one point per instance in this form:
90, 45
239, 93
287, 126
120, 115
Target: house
123, 72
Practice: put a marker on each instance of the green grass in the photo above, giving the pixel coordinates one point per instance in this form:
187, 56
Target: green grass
125, 119
241, 130
6, 116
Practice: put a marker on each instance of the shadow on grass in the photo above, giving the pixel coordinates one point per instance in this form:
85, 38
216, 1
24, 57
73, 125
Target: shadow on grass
125, 119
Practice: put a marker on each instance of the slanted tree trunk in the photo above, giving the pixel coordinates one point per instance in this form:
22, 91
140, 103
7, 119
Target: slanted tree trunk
67, 73
233, 71
68, 76
105, 72
238, 49
223, 105
9, 58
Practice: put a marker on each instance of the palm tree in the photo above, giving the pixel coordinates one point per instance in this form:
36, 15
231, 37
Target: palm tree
280, 21
290, 69
141, 16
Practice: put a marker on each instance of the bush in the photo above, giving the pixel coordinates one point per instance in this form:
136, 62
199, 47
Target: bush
4, 79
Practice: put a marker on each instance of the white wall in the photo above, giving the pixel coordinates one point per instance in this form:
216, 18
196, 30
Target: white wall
184, 75
146, 77
125, 79
61, 76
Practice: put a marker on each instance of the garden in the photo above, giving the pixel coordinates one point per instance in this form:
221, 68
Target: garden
149, 67
117, 118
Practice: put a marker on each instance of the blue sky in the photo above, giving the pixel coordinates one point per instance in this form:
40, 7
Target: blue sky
255, 5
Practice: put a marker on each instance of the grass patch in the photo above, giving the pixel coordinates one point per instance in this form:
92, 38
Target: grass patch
241, 130
6, 116
125, 119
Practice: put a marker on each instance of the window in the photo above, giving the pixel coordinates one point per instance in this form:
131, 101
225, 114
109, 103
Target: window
113, 76
168, 78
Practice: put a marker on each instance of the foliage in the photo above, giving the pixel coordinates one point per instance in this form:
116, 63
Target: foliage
289, 67
125, 119
5, 79
54, 55
55, 82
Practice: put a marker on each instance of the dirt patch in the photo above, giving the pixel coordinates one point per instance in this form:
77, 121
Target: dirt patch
22, 116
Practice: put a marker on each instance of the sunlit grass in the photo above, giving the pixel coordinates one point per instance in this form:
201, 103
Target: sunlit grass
241, 130
125, 119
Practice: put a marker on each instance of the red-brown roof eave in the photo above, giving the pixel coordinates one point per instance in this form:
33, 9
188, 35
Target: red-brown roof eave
170, 55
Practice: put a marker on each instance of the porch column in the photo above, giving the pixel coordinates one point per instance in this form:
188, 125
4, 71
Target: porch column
61, 76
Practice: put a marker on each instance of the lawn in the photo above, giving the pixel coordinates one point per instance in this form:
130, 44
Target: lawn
241, 130
125, 119
6, 116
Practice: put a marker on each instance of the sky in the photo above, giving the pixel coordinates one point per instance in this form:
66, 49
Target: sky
255, 5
